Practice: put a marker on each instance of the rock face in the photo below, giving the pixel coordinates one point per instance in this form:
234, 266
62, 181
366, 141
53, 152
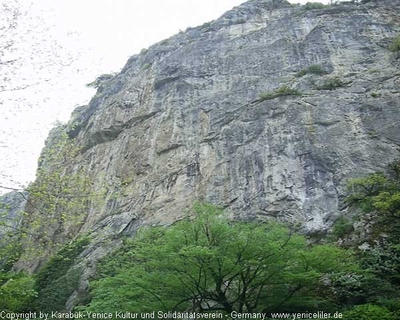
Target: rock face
207, 115
12, 205
184, 120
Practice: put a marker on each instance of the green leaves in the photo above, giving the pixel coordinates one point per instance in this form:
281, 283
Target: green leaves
379, 195
312, 69
59, 197
281, 91
16, 291
101, 80
395, 45
57, 279
369, 312
209, 263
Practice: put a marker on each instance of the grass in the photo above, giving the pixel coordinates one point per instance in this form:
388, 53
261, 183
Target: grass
146, 66
206, 25
331, 84
281, 91
101, 79
315, 5
312, 69
395, 45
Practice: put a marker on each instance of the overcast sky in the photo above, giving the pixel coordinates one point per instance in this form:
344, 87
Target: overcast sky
67, 43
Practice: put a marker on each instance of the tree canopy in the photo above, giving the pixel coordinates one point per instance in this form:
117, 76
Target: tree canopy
209, 264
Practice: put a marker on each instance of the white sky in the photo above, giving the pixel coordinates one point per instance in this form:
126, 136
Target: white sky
96, 37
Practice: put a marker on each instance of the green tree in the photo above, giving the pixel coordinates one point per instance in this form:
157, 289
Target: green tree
368, 312
59, 197
377, 195
16, 291
58, 278
56, 204
210, 264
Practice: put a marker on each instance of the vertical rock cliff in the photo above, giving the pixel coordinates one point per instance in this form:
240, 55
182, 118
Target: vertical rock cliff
185, 120
267, 111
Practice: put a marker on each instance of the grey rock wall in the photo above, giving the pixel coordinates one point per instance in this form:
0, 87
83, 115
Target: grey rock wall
12, 205
185, 121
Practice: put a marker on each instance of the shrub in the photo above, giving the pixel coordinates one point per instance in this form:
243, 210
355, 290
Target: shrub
54, 297
395, 45
331, 84
316, 69
314, 5
205, 25
368, 312
312, 69
342, 227
100, 79
56, 281
146, 66
281, 91
210, 263
17, 292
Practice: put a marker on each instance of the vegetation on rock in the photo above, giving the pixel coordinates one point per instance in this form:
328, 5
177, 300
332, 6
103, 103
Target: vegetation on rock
100, 80
312, 69
368, 312
331, 84
314, 5
17, 293
59, 196
210, 264
395, 45
58, 279
377, 196
281, 91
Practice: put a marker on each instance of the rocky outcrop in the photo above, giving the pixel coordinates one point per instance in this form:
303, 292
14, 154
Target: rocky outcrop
267, 111
12, 205
184, 120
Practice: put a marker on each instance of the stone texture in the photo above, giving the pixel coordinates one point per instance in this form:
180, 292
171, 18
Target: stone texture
12, 206
184, 121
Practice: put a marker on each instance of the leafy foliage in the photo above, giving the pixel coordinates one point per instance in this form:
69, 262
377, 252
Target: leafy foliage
368, 312
312, 69
56, 281
395, 45
281, 91
377, 195
208, 264
100, 80
57, 202
331, 84
314, 6
59, 197
342, 227
16, 291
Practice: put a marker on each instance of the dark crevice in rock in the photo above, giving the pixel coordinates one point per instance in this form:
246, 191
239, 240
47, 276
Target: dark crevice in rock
169, 148
111, 133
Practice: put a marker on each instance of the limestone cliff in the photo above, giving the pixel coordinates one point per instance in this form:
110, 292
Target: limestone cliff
12, 204
184, 120
267, 111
